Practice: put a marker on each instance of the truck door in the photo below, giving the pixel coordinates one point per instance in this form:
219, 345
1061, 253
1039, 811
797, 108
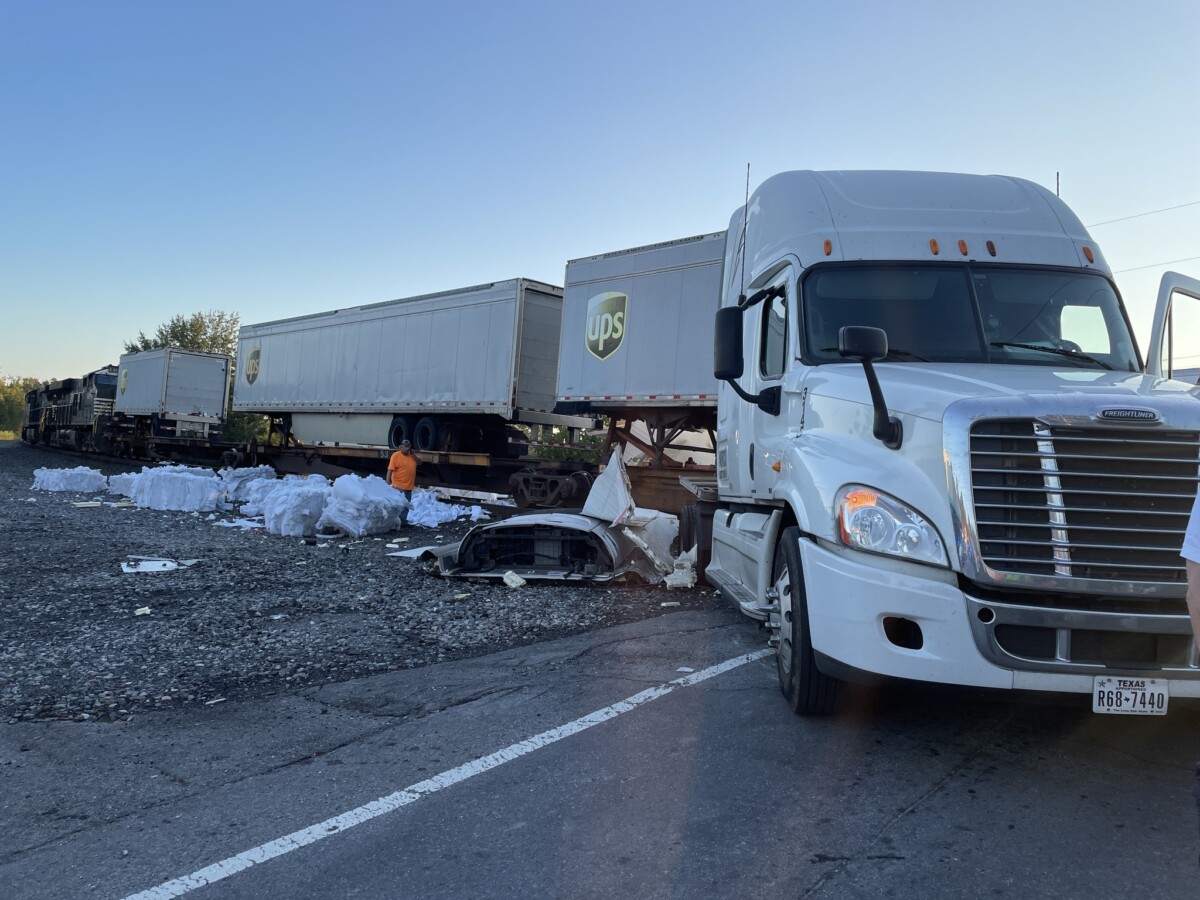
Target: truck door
775, 328
1175, 339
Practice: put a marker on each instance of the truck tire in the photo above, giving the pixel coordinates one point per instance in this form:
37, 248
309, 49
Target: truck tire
687, 528
809, 692
425, 434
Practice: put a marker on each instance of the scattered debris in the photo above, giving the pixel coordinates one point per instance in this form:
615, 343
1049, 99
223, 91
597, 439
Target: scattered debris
86, 504
211, 702
670, 603
611, 497
684, 573
685, 669
414, 553
512, 579
155, 564
142, 611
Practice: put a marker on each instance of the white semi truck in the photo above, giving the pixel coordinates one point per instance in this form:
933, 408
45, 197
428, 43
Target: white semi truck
940, 453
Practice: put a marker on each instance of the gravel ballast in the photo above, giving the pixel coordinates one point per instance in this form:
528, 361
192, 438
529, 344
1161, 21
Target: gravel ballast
257, 615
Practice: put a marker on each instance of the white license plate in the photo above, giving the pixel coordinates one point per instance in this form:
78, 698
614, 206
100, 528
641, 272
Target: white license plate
1129, 696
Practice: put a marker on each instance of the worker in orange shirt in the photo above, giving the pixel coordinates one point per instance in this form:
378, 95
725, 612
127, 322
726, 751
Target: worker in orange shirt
402, 475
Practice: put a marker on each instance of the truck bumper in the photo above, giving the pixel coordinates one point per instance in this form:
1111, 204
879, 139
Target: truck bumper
848, 600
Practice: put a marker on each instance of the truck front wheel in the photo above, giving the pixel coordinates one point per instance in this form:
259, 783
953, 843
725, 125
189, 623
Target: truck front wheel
808, 691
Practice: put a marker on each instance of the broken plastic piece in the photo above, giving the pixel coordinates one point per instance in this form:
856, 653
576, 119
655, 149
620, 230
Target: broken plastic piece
142, 611
85, 504
512, 579
155, 564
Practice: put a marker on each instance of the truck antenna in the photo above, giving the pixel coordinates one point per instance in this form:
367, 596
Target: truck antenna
745, 216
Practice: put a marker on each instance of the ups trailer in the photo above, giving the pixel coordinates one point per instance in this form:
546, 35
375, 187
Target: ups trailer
635, 347
451, 372
182, 393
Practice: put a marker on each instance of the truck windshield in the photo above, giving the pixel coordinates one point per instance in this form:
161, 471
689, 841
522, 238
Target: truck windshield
972, 314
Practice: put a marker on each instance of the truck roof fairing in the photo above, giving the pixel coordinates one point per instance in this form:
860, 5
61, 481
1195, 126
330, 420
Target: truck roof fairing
885, 215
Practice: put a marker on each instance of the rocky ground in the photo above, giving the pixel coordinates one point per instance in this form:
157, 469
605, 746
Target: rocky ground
256, 615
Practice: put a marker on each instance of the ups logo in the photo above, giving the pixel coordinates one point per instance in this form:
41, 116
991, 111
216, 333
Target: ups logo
253, 363
606, 316
124, 379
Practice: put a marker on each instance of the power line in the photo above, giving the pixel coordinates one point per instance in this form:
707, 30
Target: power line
1139, 215
1169, 262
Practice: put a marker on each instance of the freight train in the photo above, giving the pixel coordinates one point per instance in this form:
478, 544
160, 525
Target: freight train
166, 403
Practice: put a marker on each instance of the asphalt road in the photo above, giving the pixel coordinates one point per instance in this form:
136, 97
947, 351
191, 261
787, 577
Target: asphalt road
708, 787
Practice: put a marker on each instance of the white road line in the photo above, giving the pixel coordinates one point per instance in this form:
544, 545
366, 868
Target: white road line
177, 887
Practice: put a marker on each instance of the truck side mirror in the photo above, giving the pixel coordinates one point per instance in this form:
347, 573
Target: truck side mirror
862, 342
728, 363
868, 344
727, 344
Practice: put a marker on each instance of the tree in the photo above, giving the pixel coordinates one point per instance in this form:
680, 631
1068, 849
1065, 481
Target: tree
12, 401
214, 331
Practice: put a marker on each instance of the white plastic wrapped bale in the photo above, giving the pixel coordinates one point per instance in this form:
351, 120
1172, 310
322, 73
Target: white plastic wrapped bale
429, 511
123, 483
362, 505
255, 493
238, 481
178, 488
79, 480
294, 506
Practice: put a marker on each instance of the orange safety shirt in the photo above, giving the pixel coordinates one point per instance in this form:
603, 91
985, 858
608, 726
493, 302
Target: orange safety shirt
402, 471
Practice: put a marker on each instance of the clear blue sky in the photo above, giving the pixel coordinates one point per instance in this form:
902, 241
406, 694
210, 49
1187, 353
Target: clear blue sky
282, 158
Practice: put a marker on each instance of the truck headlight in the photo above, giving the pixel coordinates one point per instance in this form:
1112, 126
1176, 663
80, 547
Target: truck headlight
869, 520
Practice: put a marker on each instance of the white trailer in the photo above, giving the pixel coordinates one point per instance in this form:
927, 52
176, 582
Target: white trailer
636, 327
447, 371
941, 455
181, 393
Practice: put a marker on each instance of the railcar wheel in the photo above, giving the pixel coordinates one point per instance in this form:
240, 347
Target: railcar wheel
808, 690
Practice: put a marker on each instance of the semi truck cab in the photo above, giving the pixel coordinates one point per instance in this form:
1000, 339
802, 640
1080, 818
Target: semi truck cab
940, 454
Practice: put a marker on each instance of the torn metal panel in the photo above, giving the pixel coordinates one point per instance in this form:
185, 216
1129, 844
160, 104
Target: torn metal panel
554, 546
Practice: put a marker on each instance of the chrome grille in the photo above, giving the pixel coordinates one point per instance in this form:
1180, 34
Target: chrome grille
1075, 502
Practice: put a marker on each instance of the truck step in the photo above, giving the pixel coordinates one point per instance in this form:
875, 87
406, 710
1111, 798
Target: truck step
759, 611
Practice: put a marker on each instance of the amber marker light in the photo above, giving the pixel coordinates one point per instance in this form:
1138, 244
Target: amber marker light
777, 465
1087, 251
933, 246
962, 247
828, 246
861, 497
855, 500
991, 248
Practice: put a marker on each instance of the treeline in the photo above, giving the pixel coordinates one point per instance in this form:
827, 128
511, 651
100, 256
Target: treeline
12, 401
